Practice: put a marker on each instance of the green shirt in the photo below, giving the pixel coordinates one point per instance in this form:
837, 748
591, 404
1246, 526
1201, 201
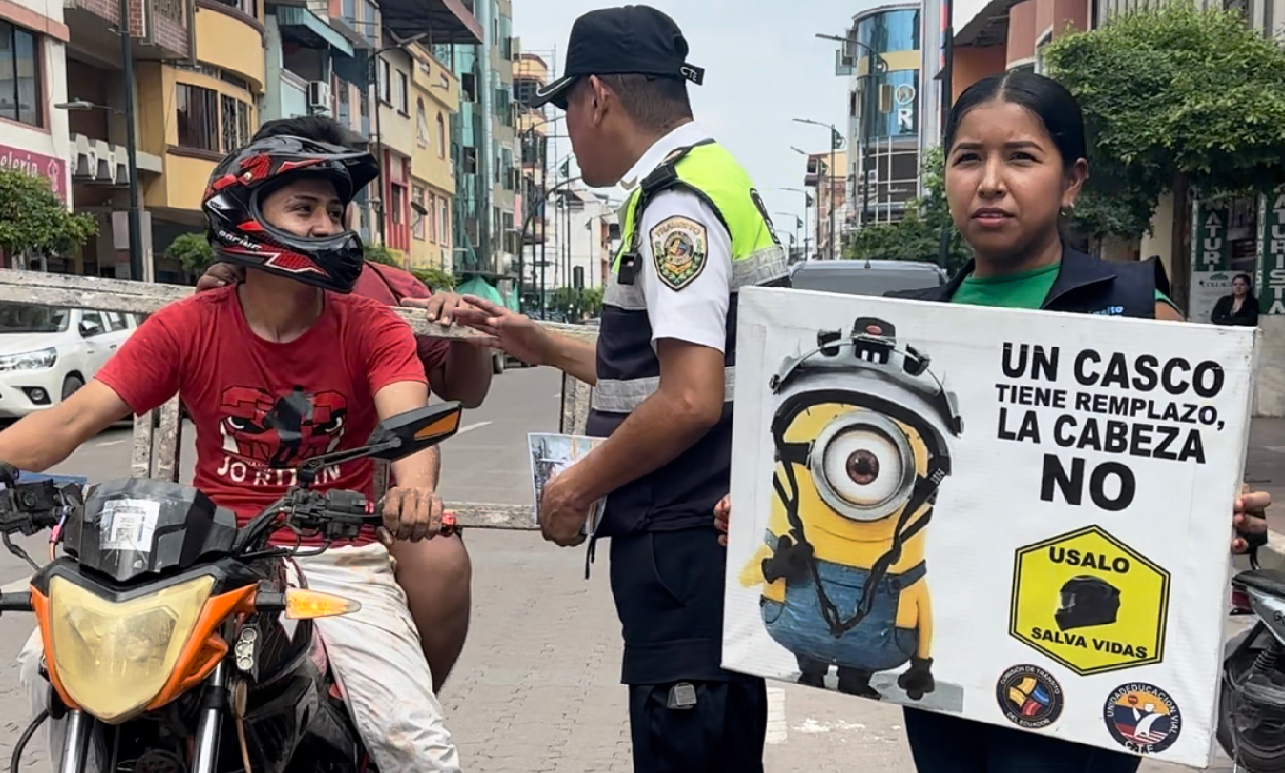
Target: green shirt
1024, 290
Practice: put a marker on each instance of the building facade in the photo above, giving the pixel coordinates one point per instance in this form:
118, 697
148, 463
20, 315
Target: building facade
828, 173
34, 134
435, 91
882, 58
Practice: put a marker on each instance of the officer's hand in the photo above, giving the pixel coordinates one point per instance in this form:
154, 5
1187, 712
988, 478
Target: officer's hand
220, 275
562, 517
722, 516
412, 514
441, 306
505, 329
1249, 517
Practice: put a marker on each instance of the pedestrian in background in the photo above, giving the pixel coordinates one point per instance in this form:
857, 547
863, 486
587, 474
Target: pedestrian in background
694, 233
1240, 307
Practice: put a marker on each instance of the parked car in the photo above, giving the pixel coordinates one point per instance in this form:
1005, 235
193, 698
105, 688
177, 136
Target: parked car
46, 353
865, 277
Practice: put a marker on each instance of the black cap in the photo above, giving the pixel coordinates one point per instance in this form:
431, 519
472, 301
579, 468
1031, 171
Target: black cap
633, 39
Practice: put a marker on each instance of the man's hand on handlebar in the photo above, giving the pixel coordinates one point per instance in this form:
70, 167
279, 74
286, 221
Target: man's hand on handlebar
411, 514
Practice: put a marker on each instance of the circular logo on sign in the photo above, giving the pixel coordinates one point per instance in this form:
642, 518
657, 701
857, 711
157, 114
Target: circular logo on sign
905, 94
1029, 696
1142, 718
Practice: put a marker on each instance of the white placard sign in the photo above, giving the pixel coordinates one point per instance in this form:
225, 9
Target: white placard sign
1018, 517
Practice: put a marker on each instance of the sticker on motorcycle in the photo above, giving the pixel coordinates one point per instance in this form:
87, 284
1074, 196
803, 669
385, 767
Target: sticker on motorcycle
1029, 696
1142, 718
128, 524
1090, 602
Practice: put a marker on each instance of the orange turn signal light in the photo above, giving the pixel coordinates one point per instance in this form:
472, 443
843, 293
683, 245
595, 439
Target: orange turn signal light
303, 604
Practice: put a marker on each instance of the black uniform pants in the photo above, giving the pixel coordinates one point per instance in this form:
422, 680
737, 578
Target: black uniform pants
668, 587
941, 743
723, 733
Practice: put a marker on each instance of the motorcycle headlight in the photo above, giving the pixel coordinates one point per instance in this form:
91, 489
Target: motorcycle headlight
114, 658
41, 358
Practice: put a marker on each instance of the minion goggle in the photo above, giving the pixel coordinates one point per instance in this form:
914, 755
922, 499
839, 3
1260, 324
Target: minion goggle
862, 462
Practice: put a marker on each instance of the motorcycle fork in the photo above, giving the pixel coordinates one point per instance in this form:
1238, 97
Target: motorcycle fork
75, 748
214, 702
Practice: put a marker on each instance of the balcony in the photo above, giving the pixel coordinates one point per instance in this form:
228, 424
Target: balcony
98, 162
162, 28
441, 21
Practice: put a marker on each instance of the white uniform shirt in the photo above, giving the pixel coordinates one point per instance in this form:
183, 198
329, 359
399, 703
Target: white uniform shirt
688, 289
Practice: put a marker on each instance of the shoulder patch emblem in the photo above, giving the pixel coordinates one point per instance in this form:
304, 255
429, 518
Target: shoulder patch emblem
679, 248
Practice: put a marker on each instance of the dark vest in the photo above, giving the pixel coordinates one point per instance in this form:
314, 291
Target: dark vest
681, 494
1084, 285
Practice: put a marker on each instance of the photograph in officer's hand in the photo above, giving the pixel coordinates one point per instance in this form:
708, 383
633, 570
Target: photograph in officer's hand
986, 512
551, 454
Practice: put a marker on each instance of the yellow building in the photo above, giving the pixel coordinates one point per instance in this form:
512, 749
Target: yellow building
435, 96
199, 71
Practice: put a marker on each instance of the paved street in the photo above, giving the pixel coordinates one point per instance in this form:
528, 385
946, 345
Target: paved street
537, 688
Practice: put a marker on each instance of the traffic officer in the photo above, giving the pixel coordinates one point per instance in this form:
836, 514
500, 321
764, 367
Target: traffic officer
694, 232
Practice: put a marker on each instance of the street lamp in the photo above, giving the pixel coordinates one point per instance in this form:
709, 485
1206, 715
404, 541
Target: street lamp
835, 139
798, 224
807, 203
131, 152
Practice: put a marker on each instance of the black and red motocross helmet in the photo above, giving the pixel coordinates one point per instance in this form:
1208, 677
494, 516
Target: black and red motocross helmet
240, 234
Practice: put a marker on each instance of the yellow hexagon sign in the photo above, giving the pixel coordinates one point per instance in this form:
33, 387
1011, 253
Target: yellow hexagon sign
1090, 602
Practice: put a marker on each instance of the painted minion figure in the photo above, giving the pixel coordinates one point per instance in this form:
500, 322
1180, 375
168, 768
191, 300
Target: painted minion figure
860, 433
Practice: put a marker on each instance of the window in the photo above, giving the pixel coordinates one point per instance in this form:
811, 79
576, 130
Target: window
421, 123
198, 117
430, 216
247, 7
340, 92
235, 116
20, 74
441, 136
385, 82
417, 209
444, 226
403, 93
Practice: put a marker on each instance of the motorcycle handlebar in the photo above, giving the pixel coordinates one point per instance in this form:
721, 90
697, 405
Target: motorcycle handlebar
340, 514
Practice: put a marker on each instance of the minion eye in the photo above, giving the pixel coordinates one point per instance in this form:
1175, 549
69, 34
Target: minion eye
863, 466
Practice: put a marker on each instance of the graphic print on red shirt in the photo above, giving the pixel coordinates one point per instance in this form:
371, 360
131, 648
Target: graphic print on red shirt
259, 407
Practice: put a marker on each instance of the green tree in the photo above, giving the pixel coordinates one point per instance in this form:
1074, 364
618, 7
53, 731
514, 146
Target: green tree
192, 251
435, 278
378, 253
917, 236
574, 302
33, 218
1174, 98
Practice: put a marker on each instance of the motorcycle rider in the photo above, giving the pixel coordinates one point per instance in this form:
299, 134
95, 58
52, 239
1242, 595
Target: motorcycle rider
436, 574
284, 366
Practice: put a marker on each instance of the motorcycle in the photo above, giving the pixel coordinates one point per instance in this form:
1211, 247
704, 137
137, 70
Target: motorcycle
1251, 704
163, 620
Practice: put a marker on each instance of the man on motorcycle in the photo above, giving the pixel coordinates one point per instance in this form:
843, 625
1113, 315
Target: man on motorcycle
285, 366
436, 574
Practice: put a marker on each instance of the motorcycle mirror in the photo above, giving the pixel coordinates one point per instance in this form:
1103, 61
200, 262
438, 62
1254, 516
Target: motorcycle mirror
415, 430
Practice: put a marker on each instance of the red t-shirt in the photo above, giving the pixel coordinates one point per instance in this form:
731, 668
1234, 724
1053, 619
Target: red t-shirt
389, 285
260, 408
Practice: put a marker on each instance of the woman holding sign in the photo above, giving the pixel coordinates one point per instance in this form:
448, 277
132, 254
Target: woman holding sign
1015, 164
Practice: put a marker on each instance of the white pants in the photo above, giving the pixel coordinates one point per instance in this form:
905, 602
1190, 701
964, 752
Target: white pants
375, 654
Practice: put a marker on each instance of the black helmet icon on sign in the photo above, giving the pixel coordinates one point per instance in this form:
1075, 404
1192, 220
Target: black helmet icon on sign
1087, 601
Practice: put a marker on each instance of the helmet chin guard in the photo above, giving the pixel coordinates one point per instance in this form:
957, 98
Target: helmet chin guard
239, 233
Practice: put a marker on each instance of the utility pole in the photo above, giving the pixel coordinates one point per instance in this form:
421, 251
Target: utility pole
947, 99
131, 142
